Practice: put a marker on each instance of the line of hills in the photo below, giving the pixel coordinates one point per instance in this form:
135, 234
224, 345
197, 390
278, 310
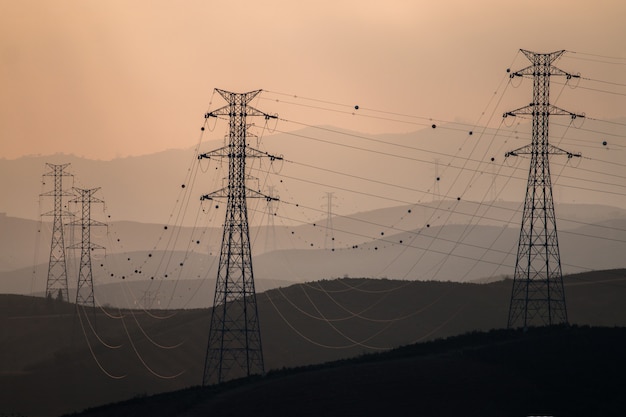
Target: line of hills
48, 351
138, 269
575, 371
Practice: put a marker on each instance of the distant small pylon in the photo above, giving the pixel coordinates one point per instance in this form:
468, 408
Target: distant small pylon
84, 290
56, 284
329, 238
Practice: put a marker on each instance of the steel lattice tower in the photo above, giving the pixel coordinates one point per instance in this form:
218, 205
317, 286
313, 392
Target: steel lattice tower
56, 284
234, 347
329, 237
537, 297
84, 290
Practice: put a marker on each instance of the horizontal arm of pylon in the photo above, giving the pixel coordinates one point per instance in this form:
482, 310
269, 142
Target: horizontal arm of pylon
223, 193
535, 58
61, 193
524, 150
250, 111
531, 70
63, 214
92, 246
225, 152
553, 150
531, 110
245, 97
86, 223
60, 168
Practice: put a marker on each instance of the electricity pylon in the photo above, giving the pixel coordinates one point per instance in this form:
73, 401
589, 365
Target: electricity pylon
329, 238
538, 297
234, 347
84, 290
56, 284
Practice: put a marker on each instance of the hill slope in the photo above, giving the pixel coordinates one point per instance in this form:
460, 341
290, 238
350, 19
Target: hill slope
45, 348
501, 373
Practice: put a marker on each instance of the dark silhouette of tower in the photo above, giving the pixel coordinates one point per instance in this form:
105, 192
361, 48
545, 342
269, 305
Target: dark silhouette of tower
537, 297
234, 347
84, 290
56, 284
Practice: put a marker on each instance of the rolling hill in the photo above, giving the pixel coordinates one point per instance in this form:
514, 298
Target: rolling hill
543, 372
49, 350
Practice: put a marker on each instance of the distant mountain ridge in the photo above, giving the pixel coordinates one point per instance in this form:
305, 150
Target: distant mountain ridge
369, 171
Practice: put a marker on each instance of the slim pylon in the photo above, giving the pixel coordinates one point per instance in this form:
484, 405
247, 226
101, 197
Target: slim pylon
56, 284
234, 347
538, 297
84, 290
329, 237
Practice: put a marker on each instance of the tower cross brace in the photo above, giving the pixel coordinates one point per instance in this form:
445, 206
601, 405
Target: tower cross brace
537, 296
234, 347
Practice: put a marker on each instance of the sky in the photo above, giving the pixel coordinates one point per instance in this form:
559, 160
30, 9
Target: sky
107, 79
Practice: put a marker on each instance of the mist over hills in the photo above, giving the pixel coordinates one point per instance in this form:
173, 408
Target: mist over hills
138, 263
390, 216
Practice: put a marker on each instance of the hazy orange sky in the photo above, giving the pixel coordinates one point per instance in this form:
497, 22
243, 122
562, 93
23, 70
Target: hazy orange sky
115, 78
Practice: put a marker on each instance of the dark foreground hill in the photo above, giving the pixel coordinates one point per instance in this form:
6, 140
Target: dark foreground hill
53, 362
558, 371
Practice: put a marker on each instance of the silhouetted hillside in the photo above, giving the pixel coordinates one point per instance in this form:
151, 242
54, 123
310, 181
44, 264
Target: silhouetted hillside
46, 348
559, 371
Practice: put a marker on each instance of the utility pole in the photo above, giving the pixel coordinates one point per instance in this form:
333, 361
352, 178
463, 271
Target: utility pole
56, 284
538, 297
234, 347
84, 290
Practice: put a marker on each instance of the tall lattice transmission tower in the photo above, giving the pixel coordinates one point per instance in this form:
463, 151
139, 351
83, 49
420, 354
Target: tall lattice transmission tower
84, 290
538, 297
56, 284
234, 348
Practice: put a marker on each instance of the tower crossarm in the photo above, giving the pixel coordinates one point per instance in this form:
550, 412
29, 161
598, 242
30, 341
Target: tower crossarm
91, 246
549, 110
89, 222
223, 193
552, 150
240, 99
542, 65
226, 152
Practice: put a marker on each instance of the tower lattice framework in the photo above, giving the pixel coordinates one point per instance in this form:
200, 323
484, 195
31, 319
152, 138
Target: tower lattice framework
84, 289
234, 347
56, 283
538, 297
